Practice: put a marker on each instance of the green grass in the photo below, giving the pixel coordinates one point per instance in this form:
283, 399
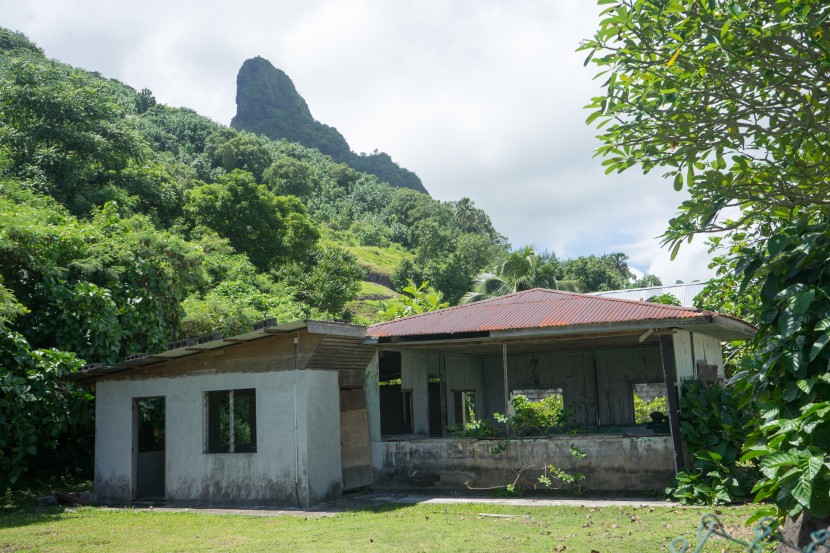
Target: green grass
374, 289
386, 528
378, 260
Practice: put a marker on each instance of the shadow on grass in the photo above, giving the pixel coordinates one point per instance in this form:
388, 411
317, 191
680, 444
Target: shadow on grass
28, 516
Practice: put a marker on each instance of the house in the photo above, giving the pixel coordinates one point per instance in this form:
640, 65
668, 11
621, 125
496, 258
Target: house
296, 413
685, 293
275, 416
594, 352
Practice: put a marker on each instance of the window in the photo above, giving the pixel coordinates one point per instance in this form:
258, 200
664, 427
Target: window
649, 397
464, 403
231, 421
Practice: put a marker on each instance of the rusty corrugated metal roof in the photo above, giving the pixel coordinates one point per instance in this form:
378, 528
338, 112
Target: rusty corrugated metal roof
537, 308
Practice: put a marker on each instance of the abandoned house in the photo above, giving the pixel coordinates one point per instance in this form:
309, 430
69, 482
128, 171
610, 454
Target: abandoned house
595, 353
273, 417
297, 413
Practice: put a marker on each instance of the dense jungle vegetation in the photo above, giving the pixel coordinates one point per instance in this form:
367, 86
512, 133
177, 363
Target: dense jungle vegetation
126, 224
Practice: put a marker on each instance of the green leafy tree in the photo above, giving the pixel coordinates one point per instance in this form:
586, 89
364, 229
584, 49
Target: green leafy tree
593, 273
665, 299
327, 280
103, 288
43, 415
412, 301
729, 98
270, 229
231, 150
289, 176
62, 131
647, 281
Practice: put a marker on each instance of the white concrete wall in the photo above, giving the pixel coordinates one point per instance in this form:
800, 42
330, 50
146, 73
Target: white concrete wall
415, 371
464, 373
270, 476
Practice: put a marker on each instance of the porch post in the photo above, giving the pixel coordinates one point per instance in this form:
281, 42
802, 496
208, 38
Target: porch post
506, 389
442, 377
670, 376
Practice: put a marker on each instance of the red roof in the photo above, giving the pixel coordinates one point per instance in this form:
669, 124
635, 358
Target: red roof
537, 308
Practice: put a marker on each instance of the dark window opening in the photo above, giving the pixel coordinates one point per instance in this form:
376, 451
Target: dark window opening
150, 424
231, 421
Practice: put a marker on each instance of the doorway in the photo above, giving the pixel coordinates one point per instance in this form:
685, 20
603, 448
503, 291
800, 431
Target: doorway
149, 444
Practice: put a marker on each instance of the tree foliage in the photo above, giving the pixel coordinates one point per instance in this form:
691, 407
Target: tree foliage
270, 229
730, 99
413, 301
41, 413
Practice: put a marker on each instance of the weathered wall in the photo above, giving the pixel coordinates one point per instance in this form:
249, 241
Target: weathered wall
269, 476
464, 374
613, 463
416, 368
691, 348
584, 376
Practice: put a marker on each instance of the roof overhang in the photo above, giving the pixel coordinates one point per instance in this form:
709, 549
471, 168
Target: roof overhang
573, 336
313, 327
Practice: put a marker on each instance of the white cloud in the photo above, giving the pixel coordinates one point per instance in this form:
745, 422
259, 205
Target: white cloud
481, 98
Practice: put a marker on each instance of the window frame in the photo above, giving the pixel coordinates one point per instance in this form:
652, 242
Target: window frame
213, 408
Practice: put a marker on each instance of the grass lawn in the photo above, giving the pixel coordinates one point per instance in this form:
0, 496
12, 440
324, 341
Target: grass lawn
375, 289
425, 527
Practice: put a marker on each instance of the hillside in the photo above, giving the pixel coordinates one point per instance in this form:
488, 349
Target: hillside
268, 103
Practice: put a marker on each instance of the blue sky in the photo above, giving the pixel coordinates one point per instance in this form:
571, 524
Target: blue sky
481, 98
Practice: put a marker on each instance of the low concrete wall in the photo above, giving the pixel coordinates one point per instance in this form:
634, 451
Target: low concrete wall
613, 463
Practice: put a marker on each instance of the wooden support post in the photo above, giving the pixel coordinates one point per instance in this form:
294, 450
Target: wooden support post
506, 387
670, 376
442, 377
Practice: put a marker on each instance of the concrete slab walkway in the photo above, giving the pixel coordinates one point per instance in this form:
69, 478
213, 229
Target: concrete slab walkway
370, 500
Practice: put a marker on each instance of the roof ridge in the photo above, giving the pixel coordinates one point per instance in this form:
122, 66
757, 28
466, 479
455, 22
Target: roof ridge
480, 302
550, 291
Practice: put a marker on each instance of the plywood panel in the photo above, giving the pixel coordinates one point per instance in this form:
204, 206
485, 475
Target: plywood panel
355, 452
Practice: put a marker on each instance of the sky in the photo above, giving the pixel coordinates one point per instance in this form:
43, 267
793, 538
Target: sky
480, 98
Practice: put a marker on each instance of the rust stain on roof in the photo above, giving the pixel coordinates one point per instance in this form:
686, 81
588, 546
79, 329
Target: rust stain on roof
536, 308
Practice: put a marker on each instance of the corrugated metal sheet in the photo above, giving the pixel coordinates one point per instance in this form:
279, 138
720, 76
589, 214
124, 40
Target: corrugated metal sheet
685, 293
537, 308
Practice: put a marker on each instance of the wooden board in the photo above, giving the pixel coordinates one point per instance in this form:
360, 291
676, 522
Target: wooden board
355, 452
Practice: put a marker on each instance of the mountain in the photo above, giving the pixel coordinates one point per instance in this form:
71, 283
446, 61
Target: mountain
268, 103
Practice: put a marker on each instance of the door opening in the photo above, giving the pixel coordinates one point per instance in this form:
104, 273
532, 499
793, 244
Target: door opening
149, 448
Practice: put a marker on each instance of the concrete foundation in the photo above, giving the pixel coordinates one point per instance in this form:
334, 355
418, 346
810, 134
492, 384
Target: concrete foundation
612, 462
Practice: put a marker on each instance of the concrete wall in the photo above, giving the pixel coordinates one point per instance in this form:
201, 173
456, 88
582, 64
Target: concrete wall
613, 463
292, 466
416, 368
464, 374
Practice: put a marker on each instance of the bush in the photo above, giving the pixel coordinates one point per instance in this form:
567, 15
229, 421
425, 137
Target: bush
42, 414
713, 426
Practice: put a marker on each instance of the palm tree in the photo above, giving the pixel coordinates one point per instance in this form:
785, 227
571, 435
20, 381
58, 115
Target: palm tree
619, 264
522, 270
